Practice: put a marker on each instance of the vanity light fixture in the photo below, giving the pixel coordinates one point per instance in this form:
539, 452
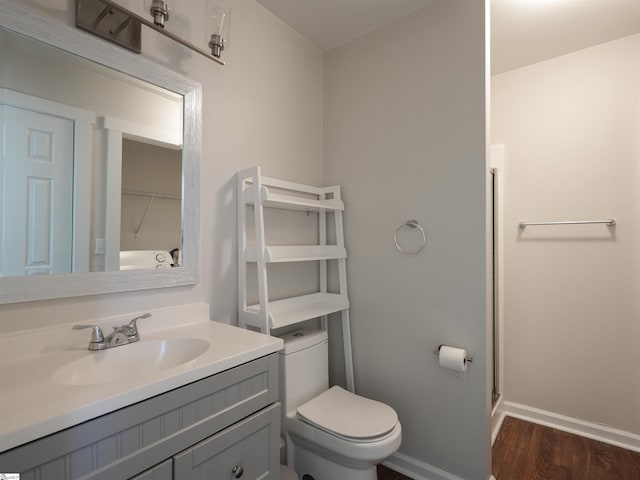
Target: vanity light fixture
159, 10
218, 14
111, 21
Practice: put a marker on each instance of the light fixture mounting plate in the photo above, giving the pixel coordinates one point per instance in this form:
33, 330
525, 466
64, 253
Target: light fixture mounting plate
109, 22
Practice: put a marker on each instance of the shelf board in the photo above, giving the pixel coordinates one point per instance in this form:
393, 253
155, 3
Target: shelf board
297, 253
298, 309
290, 202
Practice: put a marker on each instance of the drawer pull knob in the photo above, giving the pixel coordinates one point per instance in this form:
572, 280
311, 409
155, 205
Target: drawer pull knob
237, 471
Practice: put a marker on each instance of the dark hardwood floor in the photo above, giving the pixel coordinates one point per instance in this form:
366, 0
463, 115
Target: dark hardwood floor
527, 451
385, 473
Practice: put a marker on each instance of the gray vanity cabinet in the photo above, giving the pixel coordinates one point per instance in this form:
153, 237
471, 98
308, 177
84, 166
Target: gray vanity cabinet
224, 422
237, 452
164, 471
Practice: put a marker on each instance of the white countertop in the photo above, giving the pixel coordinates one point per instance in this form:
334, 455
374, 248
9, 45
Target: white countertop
32, 405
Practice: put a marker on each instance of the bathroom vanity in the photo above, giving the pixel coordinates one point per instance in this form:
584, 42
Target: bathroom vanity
215, 414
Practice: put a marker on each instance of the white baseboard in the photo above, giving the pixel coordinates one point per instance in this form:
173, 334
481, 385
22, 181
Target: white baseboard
601, 433
497, 417
418, 470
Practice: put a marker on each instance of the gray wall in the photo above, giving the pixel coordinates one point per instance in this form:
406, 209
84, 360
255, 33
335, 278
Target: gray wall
405, 137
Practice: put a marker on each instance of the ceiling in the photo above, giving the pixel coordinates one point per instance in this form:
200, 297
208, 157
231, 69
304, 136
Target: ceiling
331, 23
522, 31
529, 31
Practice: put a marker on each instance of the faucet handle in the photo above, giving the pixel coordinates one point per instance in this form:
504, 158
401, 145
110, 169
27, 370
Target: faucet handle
96, 336
134, 323
97, 341
132, 328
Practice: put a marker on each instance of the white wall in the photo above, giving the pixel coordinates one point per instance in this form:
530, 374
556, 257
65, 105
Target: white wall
405, 137
571, 130
263, 108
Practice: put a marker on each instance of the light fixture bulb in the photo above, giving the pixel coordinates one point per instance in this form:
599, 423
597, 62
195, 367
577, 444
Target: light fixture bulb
159, 10
218, 14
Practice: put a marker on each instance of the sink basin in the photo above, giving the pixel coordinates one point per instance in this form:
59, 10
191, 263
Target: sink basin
130, 361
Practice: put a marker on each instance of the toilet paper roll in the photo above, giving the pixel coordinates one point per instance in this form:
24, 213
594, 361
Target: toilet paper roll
453, 358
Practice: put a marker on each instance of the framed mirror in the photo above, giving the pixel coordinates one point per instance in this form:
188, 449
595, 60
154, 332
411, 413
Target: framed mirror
99, 186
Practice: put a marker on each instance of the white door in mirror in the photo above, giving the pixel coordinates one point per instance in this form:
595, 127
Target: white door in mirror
38, 196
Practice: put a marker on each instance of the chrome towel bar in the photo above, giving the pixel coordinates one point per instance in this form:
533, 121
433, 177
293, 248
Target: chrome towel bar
610, 222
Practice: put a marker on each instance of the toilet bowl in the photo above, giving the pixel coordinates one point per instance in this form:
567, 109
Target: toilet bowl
330, 433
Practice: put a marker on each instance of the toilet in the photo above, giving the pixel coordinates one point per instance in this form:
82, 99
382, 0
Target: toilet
330, 433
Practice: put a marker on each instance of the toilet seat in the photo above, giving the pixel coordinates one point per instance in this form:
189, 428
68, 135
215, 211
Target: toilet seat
349, 416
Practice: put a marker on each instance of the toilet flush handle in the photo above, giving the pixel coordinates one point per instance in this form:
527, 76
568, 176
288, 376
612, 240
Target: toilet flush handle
237, 471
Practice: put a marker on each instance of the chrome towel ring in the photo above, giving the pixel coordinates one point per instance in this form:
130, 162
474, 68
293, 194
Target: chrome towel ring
411, 224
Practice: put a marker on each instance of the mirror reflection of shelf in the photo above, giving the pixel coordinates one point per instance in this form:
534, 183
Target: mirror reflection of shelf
152, 195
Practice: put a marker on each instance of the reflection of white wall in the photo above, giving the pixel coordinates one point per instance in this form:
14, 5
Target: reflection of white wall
152, 169
571, 130
31, 70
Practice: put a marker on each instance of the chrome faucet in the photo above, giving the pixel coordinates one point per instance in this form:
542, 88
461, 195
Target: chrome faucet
122, 335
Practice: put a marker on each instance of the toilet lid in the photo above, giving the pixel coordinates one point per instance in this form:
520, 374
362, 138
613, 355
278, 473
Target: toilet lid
348, 415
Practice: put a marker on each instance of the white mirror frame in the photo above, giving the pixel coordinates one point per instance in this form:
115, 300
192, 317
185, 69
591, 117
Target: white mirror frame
41, 287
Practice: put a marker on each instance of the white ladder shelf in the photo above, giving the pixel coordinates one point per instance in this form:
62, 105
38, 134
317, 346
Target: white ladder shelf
264, 192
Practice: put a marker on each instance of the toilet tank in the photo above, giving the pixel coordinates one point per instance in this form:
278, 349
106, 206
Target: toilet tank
304, 367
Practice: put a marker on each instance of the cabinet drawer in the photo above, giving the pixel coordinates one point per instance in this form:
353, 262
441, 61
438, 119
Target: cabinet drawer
164, 471
133, 439
247, 450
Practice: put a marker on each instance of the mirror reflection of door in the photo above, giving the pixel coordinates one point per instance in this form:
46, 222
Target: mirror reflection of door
47, 80
37, 193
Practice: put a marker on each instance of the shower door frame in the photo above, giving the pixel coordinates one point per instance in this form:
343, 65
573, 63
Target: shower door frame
496, 170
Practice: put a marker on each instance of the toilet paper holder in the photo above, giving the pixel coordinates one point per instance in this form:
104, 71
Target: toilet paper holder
468, 358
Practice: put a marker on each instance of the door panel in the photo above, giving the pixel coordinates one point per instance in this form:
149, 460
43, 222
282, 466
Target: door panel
37, 193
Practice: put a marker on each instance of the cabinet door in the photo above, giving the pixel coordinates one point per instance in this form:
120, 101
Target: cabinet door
248, 450
162, 471
128, 441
